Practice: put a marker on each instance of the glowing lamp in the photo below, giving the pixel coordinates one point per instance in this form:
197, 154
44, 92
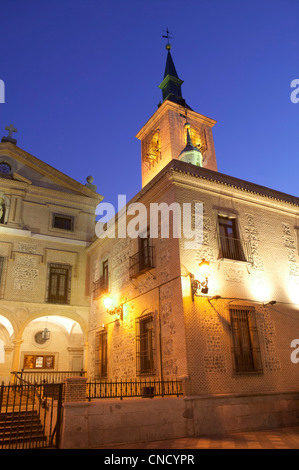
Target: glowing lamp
107, 302
204, 268
200, 287
116, 310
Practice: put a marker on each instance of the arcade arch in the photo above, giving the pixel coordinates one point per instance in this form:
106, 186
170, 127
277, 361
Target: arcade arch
21, 346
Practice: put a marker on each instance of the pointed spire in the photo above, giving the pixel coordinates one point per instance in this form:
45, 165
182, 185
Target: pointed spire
171, 84
189, 141
170, 68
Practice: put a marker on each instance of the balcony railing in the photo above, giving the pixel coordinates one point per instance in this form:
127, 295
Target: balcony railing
39, 377
134, 388
100, 287
234, 248
141, 262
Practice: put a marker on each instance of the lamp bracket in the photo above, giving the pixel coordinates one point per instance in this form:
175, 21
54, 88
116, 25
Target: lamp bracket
117, 311
198, 287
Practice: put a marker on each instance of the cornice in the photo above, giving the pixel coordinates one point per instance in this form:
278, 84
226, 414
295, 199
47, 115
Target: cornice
169, 105
11, 150
230, 181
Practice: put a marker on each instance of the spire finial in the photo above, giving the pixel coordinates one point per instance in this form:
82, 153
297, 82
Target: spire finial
167, 36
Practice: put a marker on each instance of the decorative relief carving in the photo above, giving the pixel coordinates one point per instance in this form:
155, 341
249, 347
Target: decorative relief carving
120, 246
289, 242
272, 364
215, 363
207, 224
121, 257
210, 323
25, 273
267, 330
120, 264
26, 261
213, 344
170, 367
145, 283
166, 292
123, 353
206, 253
164, 257
23, 284
252, 235
234, 274
165, 275
27, 247
93, 315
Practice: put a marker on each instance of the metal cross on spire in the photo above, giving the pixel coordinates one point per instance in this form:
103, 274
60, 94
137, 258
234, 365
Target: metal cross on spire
167, 36
9, 137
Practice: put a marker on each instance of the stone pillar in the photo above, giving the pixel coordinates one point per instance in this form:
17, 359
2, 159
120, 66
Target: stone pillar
75, 425
16, 355
85, 355
186, 385
75, 389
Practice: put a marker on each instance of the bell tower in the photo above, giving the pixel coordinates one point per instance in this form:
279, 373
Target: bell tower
174, 130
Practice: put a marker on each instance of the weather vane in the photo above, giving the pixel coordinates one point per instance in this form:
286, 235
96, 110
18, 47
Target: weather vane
167, 36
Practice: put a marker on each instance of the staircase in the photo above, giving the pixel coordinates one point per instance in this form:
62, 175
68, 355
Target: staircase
20, 424
21, 429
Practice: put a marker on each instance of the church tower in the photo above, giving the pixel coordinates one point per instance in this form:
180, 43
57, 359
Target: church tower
175, 131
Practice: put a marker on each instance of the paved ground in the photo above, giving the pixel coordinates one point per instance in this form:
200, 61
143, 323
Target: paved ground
285, 438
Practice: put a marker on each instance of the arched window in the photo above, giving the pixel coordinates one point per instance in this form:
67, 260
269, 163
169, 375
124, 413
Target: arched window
4, 209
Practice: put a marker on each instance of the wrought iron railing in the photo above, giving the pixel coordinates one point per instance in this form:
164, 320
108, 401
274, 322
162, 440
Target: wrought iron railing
100, 287
141, 261
39, 377
234, 248
30, 416
134, 388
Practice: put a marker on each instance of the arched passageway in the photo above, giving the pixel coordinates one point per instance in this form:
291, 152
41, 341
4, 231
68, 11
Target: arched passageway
62, 348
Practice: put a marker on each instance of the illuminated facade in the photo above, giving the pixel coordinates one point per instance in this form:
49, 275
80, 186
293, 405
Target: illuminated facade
46, 222
231, 340
226, 335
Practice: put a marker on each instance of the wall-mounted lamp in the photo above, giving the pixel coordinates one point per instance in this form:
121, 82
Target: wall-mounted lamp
114, 311
272, 302
200, 287
46, 333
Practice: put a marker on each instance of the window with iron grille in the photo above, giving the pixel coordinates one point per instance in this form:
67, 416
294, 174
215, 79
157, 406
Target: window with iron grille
59, 283
145, 344
101, 354
100, 286
105, 272
246, 349
230, 243
143, 260
62, 221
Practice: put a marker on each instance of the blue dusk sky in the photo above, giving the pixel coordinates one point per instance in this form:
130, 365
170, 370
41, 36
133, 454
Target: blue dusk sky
81, 78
